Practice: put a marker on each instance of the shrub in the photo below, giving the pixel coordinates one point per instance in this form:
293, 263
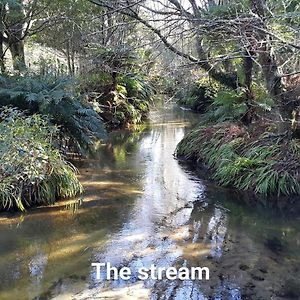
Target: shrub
226, 105
200, 95
53, 97
128, 103
32, 171
137, 87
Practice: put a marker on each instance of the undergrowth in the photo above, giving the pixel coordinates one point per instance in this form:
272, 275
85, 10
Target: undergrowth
55, 98
126, 104
265, 164
32, 171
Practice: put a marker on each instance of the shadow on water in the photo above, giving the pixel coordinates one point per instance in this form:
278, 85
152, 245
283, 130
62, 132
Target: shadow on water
141, 208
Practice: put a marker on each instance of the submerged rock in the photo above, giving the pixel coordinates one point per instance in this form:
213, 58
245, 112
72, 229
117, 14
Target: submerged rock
291, 289
274, 244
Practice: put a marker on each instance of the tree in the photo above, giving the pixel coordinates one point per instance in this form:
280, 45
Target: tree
174, 8
20, 19
248, 32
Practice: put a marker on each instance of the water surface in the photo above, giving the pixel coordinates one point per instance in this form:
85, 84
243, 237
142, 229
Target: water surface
143, 207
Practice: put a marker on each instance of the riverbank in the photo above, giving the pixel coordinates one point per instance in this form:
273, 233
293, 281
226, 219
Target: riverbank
44, 118
247, 158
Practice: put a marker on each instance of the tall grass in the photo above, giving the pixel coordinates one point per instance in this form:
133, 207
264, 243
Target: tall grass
264, 165
32, 171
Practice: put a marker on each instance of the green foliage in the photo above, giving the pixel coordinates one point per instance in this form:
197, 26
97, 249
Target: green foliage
53, 97
116, 58
265, 165
135, 94
227, 10
191, 102
227, 105
262, 101
137, 87
200, 95
125, 112
32, 171
117, 85
126, 104
75, 18
93, 83
230, 105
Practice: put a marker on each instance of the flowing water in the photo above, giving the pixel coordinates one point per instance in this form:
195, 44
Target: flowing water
142, 207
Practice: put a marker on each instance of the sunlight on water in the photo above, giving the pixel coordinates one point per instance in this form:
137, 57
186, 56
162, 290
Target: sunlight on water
141, 207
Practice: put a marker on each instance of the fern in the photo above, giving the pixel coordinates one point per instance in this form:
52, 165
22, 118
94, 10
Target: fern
137, 87
227, 105
53, 98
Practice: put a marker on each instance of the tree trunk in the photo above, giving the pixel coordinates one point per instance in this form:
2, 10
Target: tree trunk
227, 79
283, 111
18, 54
114, 85
267, 60
73, 62
248, 69
2, 55
15, 36
69, 60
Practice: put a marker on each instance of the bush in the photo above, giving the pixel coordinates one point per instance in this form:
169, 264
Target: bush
227, 105
137, 87
200, 95
32, 171
127, 103
54, 98
265, 164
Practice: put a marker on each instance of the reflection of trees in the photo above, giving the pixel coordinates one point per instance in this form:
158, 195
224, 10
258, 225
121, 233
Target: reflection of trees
162, 226
262, 222
216, 231
120, 145
166, 204
60, 240
36, 266
26, 270
66, 235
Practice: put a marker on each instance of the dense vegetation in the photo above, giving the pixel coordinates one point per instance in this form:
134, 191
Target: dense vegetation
244, 159
66, 99
54, 98
249, 134
32, 171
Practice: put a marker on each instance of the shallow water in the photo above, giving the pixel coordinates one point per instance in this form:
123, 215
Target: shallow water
142, 207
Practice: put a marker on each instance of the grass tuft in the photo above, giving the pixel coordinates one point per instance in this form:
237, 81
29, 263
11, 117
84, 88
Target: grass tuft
32, 171
265, 165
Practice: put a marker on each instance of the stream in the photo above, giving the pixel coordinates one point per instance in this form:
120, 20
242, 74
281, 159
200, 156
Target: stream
141, 206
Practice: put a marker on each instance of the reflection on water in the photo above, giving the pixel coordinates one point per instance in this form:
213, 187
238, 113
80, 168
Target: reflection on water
141, 208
